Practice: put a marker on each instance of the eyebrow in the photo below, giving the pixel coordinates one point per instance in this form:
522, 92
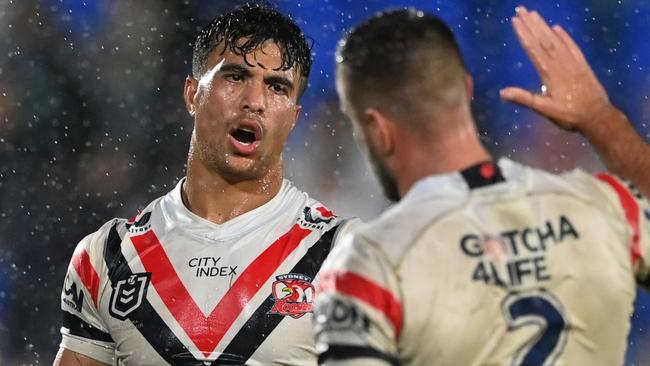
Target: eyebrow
235, 68
246, 72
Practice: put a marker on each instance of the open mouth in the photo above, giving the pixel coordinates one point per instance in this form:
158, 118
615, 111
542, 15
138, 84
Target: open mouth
245, 135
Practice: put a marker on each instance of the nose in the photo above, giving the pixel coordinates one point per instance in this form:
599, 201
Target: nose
254, 98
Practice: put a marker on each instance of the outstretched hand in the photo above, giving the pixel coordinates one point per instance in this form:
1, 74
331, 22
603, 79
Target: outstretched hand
572, 97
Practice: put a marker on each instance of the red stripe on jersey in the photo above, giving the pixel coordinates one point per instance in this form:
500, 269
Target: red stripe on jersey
631, 208
207, 332
359, 287
86, 272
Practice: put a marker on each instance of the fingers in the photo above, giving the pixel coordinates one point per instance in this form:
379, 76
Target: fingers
562, 68
544, 46
545, 37
569, 43
530, 46
580, 62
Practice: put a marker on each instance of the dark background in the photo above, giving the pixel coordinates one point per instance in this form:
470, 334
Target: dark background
93, 126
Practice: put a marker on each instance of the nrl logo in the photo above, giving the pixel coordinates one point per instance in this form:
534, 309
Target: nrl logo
293, 294
127, 294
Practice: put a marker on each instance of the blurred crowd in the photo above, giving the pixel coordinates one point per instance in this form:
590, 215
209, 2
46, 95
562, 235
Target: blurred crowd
93, 126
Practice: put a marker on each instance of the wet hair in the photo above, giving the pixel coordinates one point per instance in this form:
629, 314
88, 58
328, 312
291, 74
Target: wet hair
403, 59
254, 23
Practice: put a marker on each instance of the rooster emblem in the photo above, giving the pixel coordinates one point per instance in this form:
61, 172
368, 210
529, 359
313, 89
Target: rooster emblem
293, 294
319, 215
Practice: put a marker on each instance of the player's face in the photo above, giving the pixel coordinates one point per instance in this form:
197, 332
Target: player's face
243, 113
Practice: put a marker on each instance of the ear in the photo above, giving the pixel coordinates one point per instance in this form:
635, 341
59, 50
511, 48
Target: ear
469, 86
380, 131
298, 108
189, 93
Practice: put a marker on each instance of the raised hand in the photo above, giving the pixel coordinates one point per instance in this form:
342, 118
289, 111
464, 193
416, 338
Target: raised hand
574, 99
572, 96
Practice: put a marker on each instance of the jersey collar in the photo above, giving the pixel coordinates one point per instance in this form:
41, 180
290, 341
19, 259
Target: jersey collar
179, 215
459, 183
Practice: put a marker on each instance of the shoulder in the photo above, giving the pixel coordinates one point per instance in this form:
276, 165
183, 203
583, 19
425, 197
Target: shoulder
316, 218
397, 228
596, 190
613, 193
362, 269
576, 183
95, 244
352, 248
91, 248
604, 192
311, 213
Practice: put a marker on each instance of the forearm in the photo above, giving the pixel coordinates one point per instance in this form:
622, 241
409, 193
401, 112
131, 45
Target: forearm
623, 151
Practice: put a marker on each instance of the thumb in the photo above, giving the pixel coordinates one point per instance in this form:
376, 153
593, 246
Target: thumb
541, 104
518, 96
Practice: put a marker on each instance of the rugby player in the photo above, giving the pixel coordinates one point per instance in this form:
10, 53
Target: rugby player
221, 269
481, 262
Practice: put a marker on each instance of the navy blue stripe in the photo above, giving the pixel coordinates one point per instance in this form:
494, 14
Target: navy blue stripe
145, 318
261, 324
340, 352
76, 326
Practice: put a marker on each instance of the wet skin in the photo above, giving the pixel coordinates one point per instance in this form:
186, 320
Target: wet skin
243, 113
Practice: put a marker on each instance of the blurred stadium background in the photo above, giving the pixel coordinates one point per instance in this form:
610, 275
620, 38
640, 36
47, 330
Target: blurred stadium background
93, 126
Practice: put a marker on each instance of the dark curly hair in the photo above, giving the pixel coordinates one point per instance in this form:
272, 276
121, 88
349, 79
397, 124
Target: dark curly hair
255, 23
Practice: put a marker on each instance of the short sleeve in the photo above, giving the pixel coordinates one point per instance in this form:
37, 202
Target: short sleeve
358, 313
83, 330
634, 209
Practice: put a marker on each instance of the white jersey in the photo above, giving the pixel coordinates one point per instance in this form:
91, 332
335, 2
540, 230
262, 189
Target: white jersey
494, 265
169, 287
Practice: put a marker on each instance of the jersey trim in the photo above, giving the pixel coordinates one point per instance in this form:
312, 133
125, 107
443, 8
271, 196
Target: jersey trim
87, 274
144, 318
631, 209
482, 174
260, 325
207, 332
361, 288
80, 328
340, 352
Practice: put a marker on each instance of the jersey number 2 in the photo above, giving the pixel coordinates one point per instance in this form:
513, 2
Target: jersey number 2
542, 310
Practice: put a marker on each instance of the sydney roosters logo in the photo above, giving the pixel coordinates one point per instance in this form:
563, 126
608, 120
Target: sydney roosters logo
293, 294
321, 214
141, 225
316, 218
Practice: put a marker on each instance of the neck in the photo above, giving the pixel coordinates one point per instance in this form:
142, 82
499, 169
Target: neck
211, 196
452, 147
